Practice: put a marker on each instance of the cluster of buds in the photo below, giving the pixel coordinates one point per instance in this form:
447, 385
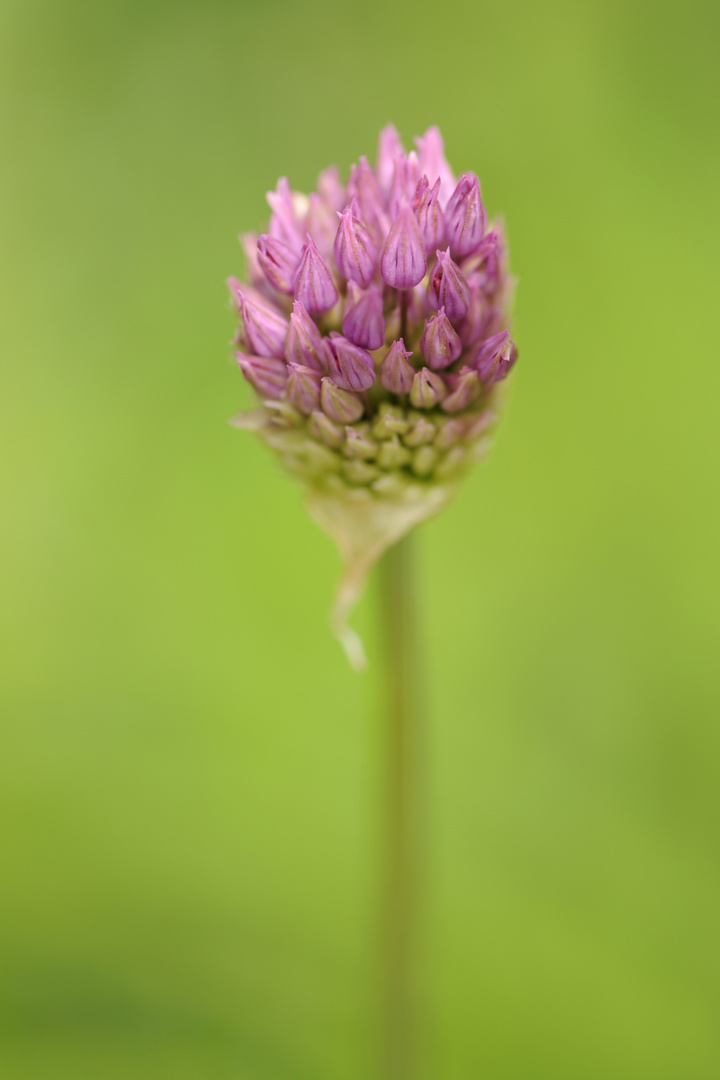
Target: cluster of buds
374, 328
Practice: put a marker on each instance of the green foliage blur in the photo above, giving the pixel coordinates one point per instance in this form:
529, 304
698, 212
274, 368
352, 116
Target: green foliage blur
189, 771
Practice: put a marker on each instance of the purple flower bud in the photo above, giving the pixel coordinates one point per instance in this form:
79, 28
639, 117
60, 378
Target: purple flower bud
349, 367
433, 163
431, 220
465, 390
252, 265
355, 250
304, 343
423, 186
363, 322
278, 261
396, 374
267, 375
284, 222
440, 344
265, 327
448, 288
403, 262
405, 180
472, 328
495, 357
465, 216
389, 146
331, 188
339, 405
313, 284
427, 389
303, 388
486, 264
363, 186
321, 223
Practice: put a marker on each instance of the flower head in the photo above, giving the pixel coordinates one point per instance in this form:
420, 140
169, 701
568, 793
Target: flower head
375, 331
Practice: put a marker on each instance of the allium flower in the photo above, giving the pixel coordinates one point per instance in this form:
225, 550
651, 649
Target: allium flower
375, 331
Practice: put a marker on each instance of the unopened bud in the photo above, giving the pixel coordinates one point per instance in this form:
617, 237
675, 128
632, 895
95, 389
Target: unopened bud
428, 389
396, 374
403, 262
356, 253
349, 366
360, 472
313, 283
448, 288
305, 344
433, 162
465, 216
465, 390
267, 375
406, 174
279, 262
303, 388
331, 188
473, 326
449, 434
495, 357
431, 220
284, 223
423, 461
440, 344
363, 322
321, 223
339, 405
265, 327
359, 444
363, 186
392, 454
389, 146
391, 421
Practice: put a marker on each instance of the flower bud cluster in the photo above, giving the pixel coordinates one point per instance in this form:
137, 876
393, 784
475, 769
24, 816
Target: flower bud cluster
374, 326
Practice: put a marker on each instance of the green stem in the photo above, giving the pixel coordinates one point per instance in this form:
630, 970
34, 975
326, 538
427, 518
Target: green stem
402, 698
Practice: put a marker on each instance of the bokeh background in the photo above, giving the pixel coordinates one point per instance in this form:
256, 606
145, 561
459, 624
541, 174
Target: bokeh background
189, 770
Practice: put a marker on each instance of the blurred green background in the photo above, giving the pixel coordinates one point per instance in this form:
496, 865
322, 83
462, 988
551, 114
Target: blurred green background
189, 770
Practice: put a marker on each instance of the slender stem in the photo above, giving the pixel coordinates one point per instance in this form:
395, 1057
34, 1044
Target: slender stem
404, 301
400, 727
